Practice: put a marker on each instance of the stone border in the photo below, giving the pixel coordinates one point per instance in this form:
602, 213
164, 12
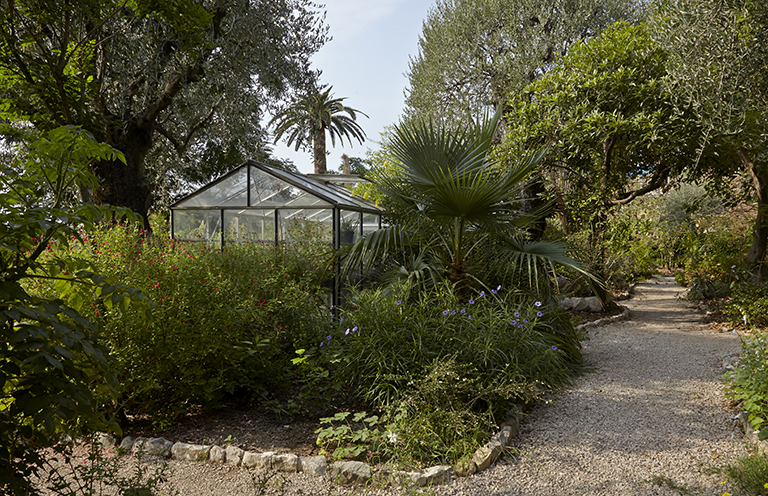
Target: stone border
344, 472
624, 315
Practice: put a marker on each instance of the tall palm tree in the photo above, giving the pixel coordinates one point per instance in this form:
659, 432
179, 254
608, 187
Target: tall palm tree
453, 204
310, 116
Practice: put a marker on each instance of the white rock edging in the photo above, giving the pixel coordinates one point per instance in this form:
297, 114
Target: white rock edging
624, 315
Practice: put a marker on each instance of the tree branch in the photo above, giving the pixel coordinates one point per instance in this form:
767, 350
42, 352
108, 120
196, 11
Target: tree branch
659, 179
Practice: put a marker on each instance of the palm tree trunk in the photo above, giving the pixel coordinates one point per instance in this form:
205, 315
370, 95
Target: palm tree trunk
318, 147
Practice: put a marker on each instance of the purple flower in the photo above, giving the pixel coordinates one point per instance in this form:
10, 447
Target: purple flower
322, 343
520, 326
554, 348
513, 323
469, 316
538, 304
463, 310
471, 302
347, 333
517, 314
482, 293
539, 314
341, 319
445, 312
328, 338
453, 312
498, 287
354, 329
494, 291
398, 302
525, 321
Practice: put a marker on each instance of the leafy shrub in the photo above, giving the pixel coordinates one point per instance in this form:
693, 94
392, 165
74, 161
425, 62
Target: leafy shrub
749, 474
222, 323
387, 342
749, 304
748, 381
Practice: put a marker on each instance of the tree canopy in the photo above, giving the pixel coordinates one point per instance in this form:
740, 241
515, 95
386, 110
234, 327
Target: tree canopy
473, 53
718, 53
159, 79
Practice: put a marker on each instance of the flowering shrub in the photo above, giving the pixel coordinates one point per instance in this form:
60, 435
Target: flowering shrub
386, 342
222, 323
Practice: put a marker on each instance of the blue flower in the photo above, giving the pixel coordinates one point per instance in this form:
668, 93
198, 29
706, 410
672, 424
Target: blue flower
554, 348
538, 304
539, 314
471, 302
445, 312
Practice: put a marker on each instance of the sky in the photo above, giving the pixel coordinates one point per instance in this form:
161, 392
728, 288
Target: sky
365, 62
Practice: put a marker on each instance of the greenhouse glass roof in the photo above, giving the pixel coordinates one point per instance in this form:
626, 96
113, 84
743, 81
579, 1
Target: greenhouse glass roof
257, 186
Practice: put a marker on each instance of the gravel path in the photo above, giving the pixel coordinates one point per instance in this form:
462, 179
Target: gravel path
652, 409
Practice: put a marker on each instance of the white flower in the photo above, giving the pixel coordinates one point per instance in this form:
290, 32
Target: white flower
392, 437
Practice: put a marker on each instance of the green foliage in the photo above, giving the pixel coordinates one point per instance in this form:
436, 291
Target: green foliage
454, 210
749, 304
352, 437
50, 362
310, 116
223, 324
389, 341
748, 475
473, 53
748, 381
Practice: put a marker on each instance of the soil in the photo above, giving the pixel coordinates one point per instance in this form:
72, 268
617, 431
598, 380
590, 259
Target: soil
253, 429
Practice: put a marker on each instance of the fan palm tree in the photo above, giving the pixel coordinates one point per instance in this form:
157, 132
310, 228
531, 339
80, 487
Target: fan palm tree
451, 200
308, 118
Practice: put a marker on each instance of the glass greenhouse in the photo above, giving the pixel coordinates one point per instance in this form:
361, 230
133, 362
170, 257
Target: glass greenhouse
259, 203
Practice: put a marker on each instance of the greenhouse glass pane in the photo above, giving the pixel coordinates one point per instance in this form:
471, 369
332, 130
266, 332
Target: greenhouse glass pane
249, 225
306, 225
370, 223
197, 225
350, 227
230, 191
270, 191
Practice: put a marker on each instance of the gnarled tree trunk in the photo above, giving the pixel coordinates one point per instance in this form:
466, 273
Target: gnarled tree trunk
759, 174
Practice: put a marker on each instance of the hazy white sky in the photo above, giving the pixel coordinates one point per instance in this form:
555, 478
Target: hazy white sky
366, 62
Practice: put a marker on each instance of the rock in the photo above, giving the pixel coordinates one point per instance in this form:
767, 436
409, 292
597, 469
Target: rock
234, 455
579, 304
106, 440
465, 468
157, 446
567, 303
286, 463
217, 455
401, 478
593, 304
505, 434
440, 474
127, 443
485, 456
258, 460
351, 472
313, 465
190, 452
